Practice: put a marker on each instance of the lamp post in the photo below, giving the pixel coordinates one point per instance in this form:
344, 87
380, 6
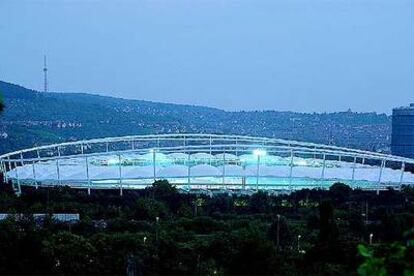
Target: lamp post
365, 215
278, 233
370, 238
157, 221
299, 237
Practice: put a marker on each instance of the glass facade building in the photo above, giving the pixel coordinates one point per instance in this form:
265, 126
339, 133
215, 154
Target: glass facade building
402, 138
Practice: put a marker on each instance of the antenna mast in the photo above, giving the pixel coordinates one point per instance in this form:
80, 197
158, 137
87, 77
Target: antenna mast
45, 74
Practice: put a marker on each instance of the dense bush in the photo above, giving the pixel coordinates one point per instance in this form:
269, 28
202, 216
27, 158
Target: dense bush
161, 231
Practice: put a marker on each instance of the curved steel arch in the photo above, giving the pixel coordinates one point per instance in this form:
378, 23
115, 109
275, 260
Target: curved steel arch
191, 143
189, 136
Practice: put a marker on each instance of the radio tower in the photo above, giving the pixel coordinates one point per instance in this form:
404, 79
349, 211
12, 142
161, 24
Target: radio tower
45, 74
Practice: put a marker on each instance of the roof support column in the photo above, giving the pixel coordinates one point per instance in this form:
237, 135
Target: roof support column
34, 175
120, 174
257, 172
353, 168
244, 177
380, 175
57, 164
224, 169
19, 189
38, 161
3, 170
154, 165
9, 167
87, 175
291, 170
402, 175
323, 170
188, 168
58, 171
21, 158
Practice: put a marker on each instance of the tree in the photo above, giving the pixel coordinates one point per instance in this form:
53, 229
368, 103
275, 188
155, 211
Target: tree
9, 239
117, 251
70, 254
253, 255
220, 203
388, 259
328, 231
162, 190
149, 209
166, 193
339, 192
260, 202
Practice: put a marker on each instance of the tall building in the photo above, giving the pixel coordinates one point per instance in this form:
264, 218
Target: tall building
402, 138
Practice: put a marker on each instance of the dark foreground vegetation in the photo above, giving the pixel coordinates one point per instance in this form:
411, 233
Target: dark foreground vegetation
160, 231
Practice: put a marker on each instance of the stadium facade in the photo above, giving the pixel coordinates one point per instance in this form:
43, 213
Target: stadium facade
202, 162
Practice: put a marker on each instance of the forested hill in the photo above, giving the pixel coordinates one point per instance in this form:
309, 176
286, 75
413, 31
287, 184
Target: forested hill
33, 118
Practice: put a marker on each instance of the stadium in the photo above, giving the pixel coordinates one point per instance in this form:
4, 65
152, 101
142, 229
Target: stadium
207, 162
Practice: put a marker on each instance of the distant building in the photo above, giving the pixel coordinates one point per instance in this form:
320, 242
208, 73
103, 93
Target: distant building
40, 217
402, 139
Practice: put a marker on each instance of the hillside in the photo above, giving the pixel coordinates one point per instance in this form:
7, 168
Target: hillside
35, 118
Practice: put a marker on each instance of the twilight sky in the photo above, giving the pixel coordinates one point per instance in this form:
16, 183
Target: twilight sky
299, 55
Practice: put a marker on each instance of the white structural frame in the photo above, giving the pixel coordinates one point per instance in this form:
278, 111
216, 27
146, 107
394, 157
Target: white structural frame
227, 145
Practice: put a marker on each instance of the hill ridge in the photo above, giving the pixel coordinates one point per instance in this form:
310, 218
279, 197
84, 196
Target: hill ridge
33, 118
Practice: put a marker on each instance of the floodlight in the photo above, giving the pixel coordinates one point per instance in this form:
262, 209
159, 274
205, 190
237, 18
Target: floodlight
259, 152
113, 161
